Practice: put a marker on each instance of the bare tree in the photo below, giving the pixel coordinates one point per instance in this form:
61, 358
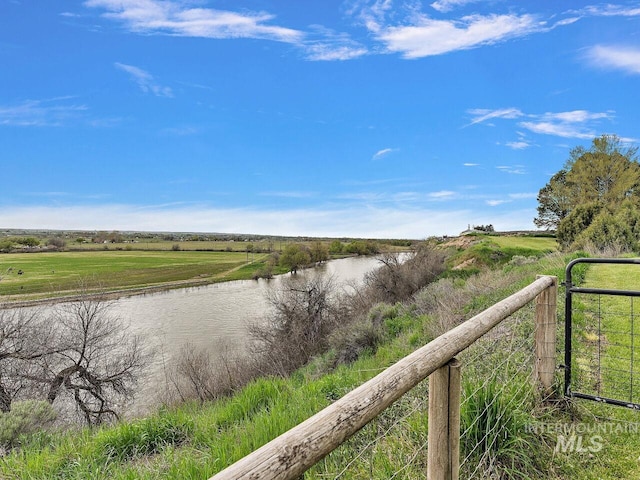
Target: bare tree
77, 354
25, 338
98, 362
304, 311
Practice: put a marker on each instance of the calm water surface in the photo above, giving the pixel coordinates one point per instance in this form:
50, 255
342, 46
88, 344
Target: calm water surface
210, 316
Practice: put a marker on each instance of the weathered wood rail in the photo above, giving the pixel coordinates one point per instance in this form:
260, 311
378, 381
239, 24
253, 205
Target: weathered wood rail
295, 451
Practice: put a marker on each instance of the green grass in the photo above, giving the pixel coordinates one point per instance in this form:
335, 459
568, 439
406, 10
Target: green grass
609, 376
490, 251
539, 244
606, 350
165, 245
55, 272
194, 441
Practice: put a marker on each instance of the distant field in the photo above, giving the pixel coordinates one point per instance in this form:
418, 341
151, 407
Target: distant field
48, 273
542, 244
154, 244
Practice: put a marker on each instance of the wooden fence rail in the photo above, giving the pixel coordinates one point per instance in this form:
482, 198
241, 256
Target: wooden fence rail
295, 451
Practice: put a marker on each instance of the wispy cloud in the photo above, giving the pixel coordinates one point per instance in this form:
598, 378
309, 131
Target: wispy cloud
145, 80
572, 124
441, 195
326, 45
579, 124
495, 203
471, 164
288, 194
608, 10
355, 221
180, 19
519, 145
428, 37
54, 112
382, 153
619, 58
481, 115
324, 51
512, 169
444, 6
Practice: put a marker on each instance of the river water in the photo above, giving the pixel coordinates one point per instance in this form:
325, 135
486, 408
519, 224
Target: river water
210, 316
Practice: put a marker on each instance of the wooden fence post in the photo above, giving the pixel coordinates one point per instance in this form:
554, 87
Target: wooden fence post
443, 449
545, 337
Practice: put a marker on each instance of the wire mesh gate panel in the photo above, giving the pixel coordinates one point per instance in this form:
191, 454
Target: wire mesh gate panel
602, 336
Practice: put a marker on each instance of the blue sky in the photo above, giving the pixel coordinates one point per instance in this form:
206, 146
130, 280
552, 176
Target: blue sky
357, 118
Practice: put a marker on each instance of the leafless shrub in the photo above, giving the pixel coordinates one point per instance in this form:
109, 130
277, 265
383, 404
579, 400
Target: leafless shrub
303, 313
447, 301
197, 374
398, 278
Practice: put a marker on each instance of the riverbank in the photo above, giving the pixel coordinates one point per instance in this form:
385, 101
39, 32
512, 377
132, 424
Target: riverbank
195, 440
30, 279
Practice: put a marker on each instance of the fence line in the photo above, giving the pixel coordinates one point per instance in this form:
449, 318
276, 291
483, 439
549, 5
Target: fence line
296, 450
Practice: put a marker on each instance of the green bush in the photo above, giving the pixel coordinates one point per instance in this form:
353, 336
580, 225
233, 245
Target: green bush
24, 419
351, 342
576, 222
619, 230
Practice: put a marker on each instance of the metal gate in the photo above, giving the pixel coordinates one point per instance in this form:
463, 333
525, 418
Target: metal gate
601, 350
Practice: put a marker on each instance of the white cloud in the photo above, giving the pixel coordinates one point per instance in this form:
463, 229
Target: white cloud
471, 164
570, 124
360, 222
512, 169
327, 45
145, 80
363, 221
382, 153
559, 129
495, 203
576, 116
41, 113
441, 195
619, 58
519, 145
609, 10
173, 17
448, 5
427, 37
481, 115
329, 52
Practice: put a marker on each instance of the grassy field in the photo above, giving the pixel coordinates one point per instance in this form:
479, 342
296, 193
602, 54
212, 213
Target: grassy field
540, 244
604, 364
164, 245
57, 272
